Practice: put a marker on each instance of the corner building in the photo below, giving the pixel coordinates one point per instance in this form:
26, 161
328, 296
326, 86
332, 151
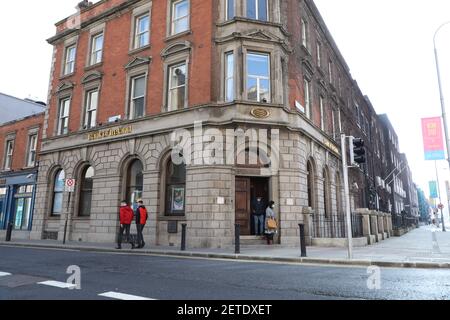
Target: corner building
127, 74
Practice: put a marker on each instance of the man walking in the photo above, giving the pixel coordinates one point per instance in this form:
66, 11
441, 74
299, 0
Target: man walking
259, 212
126, 217
141, 219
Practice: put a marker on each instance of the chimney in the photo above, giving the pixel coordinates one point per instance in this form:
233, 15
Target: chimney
84, 4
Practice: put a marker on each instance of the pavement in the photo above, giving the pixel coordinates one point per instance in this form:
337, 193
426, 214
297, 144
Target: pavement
49, 274
426, 247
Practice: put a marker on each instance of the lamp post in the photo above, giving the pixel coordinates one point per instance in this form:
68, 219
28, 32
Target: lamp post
444, 114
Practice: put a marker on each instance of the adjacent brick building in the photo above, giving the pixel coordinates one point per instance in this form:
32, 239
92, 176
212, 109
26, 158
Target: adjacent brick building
127, 74
19, 148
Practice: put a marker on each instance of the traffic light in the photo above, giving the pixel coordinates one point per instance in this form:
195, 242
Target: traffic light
357, 151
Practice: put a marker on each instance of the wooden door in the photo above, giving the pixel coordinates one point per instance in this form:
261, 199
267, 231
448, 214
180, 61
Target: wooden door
242, 202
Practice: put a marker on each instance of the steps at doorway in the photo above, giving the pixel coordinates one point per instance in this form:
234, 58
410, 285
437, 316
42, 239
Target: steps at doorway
253, 240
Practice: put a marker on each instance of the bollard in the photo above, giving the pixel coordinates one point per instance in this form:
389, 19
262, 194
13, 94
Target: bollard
183, 237
302, 240
237, 239
65, 232
9, 232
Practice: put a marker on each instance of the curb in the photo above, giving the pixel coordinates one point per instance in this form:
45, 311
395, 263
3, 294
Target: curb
240, 257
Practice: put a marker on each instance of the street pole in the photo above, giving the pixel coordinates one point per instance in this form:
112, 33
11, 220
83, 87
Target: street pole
440, 198
347, 197
444, 114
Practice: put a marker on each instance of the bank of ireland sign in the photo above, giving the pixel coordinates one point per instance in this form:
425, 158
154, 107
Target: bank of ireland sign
433, 139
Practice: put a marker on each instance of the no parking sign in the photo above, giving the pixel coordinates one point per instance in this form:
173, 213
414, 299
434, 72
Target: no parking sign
70, 185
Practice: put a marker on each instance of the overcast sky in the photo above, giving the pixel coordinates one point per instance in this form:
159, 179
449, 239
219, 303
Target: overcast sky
386, 43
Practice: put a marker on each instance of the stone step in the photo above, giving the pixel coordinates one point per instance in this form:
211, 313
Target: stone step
253, 240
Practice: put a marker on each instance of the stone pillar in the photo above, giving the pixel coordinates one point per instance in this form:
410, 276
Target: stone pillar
308, 214
366, 222
381, 225
389, 222
374, 225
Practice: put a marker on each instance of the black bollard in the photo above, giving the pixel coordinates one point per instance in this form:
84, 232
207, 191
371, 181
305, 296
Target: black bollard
302, 240
237, 239
183, 237
9, 232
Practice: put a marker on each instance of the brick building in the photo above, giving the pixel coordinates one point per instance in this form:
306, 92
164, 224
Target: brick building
20, 133
127, 74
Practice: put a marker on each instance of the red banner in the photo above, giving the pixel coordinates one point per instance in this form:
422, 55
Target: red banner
433, 139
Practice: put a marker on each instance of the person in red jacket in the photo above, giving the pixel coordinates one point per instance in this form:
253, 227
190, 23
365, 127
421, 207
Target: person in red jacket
141, 220
126, 218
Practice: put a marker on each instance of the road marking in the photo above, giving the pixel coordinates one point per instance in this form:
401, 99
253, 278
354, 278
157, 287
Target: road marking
4, 274
57, 284
122, 296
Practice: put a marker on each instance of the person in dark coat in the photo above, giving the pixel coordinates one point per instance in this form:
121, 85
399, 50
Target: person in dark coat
259, 213
141, 220
126, 218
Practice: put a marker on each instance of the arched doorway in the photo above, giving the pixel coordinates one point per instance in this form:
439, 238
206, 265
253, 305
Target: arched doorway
134, 182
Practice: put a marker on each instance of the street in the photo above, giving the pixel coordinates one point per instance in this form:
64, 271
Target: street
122, 276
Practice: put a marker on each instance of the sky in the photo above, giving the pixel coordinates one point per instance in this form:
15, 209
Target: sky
388, 45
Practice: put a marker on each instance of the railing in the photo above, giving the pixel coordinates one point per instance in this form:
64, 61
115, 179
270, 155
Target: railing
402, 221
335, 226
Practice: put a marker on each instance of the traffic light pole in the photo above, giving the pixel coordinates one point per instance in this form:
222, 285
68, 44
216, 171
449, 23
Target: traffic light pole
347, 196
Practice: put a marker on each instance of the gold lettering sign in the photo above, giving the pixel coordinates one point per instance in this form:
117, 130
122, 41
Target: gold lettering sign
260, 113
103, 134
331, 146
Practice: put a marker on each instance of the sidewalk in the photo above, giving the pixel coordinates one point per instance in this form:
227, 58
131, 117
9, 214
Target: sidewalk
426, 247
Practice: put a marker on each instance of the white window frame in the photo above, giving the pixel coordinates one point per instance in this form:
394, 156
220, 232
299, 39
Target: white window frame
257, 10
259, 78
330, 70
170, 87
133, 98
62, 116
139, 33
32, 147
304, 25
319, 54
95, 50
174, 20
307, 91
69, 65
322, 114
89, 111
229, 78
9, 151
333, 125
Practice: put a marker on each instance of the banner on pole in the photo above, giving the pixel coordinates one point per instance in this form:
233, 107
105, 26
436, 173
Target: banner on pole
433, 139
433, 190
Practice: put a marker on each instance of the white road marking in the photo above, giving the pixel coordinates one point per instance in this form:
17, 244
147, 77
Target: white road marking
123, 296
4, 274
62, 285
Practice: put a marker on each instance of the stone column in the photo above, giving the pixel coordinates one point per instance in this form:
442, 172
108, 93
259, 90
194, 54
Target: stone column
366, 222
374, 225
381, 226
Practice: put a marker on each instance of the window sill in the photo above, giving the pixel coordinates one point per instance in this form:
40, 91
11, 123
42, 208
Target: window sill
306, 50
138, 50
93, 66
178, 35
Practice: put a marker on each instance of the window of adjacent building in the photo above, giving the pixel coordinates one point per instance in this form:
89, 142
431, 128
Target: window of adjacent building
330, 71
258, 77
63, 118
229, 76
175, 188
137, 97
135, 182
229, 9
311, 181
32, 145
257, 9
307, 91
326, 193
142, 32
86, 186
319, 54
91, 109
177, 87
333, 124
2, 206
304, 33
58, 192
322, 114
69, 66
339, 195
9, 154
180, 16
96, 49
23, 206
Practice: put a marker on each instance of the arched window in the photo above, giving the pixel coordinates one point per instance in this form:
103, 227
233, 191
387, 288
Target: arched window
339, 208
86, 183
326, 193
58, 191
175, 189
135, 182
311, 181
